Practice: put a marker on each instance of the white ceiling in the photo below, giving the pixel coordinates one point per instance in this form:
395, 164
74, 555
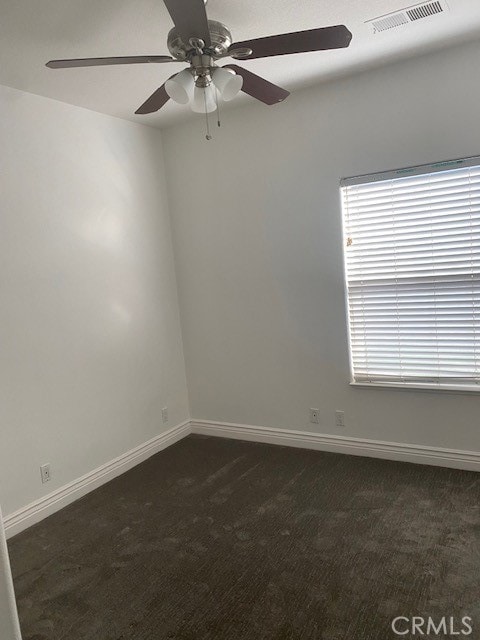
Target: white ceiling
33, 32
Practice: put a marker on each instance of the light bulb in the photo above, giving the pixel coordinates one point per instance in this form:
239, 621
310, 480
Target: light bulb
204, 99
180, 88
227, 82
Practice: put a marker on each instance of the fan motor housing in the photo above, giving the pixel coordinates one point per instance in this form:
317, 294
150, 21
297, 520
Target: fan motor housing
219, 35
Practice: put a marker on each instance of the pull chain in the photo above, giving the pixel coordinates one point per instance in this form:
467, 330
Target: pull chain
208, 136
218, 108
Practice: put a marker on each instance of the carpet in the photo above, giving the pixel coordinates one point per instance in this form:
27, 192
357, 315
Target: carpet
229, 540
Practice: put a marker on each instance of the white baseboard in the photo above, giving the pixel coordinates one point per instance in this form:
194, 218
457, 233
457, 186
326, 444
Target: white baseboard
45, 506
420, 454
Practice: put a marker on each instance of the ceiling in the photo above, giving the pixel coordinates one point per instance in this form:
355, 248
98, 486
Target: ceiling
33, 32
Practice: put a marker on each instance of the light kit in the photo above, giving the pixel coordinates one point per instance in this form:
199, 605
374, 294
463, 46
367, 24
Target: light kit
202, 92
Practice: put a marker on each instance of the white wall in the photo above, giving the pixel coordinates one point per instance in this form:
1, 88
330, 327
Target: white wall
9, 626
89, 330
257, 237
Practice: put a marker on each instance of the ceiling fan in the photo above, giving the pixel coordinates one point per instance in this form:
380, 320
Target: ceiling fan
201, 43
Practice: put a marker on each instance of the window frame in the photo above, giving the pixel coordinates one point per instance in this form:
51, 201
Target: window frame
435, 167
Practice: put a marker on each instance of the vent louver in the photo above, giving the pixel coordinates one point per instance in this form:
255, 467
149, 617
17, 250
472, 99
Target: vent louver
390, 22
424, 10
410, 14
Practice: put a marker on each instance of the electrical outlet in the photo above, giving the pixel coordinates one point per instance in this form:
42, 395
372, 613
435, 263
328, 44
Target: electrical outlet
165, 415
340, 418
45, 472
315, 416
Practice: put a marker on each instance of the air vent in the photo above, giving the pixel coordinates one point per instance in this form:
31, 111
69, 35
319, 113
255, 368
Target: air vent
410, 14
390, 22
424, 10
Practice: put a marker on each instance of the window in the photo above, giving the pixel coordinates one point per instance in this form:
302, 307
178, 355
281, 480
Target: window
412, 264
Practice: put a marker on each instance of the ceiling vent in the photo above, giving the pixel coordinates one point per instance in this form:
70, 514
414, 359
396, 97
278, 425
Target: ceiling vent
405, 16
424, 10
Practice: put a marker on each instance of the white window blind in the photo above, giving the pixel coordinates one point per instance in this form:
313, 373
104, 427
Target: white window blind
412, 256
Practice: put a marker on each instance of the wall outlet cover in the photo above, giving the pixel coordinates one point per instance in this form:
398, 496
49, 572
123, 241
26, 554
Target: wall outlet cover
339, 418
45, 472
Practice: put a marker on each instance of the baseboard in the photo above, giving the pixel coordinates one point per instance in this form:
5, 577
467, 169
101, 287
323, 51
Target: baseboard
45, 506
420, 454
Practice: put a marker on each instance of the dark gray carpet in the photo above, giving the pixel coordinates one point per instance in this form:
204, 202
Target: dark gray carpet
221, 539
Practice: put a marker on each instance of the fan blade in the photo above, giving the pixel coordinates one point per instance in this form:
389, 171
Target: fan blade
258, 87
94, 62
298, 42
190, 19
156, 101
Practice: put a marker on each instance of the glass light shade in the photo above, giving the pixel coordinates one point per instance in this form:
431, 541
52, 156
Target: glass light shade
180, 88
204, 99
227, 82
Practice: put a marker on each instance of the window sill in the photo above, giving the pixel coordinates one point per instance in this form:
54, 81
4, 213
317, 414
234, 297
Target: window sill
437, 388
